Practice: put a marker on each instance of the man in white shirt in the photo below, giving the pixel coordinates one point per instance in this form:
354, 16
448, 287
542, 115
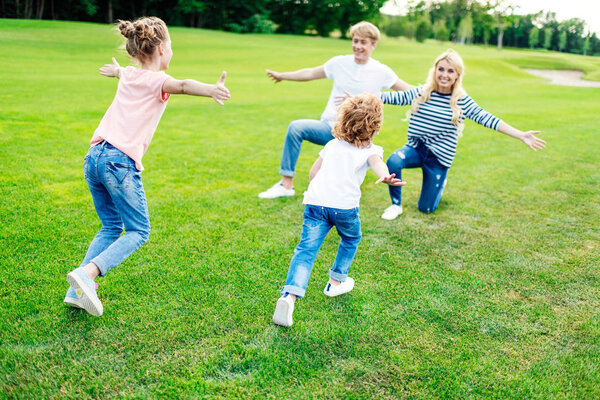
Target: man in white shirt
354, 74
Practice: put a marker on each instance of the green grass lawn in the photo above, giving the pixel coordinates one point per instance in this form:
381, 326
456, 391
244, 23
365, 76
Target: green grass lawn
496, 295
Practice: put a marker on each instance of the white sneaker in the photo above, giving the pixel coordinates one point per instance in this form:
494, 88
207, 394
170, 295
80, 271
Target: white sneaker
283, 311
392, 212
277, 190
332, 290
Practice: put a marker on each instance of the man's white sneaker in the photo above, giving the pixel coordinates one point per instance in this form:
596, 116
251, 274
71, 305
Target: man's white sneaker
283, 311
277, 190
392, 212
332, 290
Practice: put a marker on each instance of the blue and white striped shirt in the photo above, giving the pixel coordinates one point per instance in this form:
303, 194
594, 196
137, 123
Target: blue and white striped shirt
432, 123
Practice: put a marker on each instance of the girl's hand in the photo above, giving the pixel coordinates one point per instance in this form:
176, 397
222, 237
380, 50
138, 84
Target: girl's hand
532, 141
276, 76
340, 99
220, 92
111, 70
390, 180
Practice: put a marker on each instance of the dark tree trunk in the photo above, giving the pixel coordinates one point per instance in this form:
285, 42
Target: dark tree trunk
40, 9
110, 12
28, 9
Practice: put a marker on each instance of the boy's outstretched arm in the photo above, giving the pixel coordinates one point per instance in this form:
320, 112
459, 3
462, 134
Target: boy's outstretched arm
315, 168
218, 91
111, 70
381, 170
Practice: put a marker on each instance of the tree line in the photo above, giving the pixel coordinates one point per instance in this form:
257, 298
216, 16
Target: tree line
320, 17
493, 22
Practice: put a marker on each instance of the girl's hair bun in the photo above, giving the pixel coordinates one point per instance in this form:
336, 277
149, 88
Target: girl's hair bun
126, 28
143, 31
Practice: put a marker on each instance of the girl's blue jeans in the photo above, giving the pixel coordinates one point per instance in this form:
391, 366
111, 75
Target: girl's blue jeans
120, 201
318, 221
314, 131
434, 175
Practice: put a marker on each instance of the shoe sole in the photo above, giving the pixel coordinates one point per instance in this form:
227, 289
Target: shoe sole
275, 197
73, 303
90, 305
280, 316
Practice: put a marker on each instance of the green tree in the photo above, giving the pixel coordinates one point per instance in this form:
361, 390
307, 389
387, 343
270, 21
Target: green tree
440, 32
423, 29
465, 29
562, 40
534, 37
547, 38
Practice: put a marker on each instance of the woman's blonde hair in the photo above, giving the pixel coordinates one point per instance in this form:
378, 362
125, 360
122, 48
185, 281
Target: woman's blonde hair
457, 93
143, 36
358, 119
365, 29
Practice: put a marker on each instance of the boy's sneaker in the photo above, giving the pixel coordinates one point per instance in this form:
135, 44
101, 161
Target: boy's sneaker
283, 311
332, 290
277, 190
81, 282
73, 298
392, 212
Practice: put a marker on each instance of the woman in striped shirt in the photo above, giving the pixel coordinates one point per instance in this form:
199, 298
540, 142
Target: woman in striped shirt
436, 119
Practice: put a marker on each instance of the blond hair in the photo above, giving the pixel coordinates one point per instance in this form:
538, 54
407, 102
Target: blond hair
365, 29
143, 36
358, 119
431, 85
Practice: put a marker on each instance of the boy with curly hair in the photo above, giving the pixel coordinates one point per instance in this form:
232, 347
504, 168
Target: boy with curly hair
332, 199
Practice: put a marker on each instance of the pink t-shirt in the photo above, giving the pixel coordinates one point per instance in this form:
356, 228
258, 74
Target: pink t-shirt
132, 118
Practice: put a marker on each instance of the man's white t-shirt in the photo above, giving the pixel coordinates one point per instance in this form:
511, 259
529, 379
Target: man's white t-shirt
337, 183
347, 75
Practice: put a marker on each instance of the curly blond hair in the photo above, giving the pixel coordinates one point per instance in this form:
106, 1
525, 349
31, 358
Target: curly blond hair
359, 118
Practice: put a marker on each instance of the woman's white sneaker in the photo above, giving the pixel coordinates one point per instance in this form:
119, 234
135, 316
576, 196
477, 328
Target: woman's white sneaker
284, 311
392, 212
332, 290
275, 191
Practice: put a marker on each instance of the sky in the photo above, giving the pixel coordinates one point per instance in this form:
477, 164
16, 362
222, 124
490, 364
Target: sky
587, 10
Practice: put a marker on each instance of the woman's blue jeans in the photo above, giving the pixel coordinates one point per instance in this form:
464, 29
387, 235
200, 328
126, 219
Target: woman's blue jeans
434, 175
314, 131
120, 202
318, 221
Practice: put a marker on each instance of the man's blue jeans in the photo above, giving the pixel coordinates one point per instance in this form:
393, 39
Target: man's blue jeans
120, 201
434, 175
318, 221
314, 131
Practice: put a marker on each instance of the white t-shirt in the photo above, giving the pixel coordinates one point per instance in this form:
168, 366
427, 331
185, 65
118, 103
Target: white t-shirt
337, 183
347, 75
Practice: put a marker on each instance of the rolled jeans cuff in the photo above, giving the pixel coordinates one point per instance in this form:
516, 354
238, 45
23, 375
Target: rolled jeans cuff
295, 290
102, 267
286, 172
337, 276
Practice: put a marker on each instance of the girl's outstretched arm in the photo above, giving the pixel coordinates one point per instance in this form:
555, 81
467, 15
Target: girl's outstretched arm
529, 138
381, 170
218, 91
111, 70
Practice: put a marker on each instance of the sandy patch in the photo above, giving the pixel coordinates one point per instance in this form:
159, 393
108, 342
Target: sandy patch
563, 77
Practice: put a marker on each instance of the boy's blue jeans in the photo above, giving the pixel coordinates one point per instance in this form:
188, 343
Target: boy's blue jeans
318, 221
434, 175
314, 131
120, 201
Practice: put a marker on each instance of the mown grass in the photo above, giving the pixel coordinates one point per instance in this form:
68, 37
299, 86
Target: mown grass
495, 295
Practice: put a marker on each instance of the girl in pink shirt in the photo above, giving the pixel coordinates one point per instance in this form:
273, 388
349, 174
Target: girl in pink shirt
113, 164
